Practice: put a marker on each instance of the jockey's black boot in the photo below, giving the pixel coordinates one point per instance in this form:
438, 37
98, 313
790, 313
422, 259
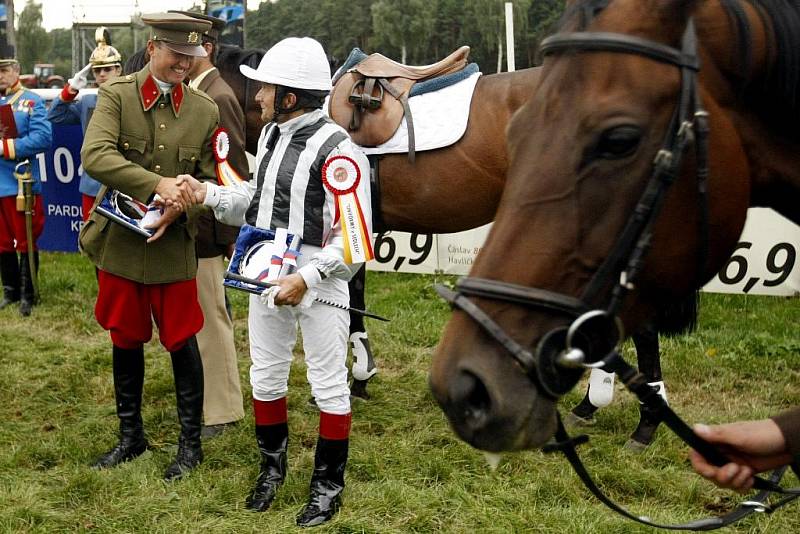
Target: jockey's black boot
327, 482
272, 444
9, 272
128, 365
187, 368
28, 297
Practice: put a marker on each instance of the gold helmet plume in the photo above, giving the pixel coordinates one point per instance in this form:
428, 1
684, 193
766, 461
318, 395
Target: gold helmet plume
104, 55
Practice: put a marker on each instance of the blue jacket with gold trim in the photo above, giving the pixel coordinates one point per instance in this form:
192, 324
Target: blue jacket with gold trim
34, 135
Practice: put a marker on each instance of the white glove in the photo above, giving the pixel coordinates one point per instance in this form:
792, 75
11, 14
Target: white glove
81, 78
268, 296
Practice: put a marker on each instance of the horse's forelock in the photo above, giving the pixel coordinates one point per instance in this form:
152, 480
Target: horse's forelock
579, 14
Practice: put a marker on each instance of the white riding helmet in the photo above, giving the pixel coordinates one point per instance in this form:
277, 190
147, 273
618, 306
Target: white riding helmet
297, 62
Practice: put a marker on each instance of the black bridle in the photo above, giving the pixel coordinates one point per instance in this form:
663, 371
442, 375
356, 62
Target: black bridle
593, 336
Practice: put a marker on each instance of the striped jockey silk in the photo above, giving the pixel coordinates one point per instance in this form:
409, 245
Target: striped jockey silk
296, 198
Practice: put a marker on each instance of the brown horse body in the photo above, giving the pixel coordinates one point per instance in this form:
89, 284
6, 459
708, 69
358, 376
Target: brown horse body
581, 151
458, 187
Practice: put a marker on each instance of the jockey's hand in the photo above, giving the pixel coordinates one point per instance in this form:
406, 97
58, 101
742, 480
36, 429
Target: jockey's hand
160, 226
80, 80
197, 188
293, 287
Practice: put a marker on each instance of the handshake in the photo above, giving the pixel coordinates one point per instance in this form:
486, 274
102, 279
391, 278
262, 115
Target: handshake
175, 195
181, 192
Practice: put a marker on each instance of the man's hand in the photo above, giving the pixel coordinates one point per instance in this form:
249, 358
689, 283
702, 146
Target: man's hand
293, 287
80, 79
175, 194
197, 188
752, 446
160, 226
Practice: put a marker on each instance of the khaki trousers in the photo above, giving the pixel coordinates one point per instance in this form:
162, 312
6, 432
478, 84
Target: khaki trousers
222, 402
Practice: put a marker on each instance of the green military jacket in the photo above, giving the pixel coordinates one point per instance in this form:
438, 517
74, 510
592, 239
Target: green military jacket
136, 136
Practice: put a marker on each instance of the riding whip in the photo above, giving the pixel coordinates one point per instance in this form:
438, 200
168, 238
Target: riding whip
267, 285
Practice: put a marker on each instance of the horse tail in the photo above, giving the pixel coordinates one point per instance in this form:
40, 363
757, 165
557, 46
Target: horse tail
679, 316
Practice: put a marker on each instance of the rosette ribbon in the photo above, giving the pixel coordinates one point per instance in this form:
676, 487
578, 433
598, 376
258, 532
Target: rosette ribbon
341, 176
221, 142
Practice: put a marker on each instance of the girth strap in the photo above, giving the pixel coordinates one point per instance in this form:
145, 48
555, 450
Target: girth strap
403, 99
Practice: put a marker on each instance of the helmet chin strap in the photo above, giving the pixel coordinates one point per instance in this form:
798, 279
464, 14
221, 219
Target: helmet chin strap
280, 92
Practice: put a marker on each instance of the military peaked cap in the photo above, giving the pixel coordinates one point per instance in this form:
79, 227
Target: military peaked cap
178, 32
7, 55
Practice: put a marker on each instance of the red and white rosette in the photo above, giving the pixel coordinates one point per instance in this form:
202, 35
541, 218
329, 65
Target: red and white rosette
221, 143
341, 176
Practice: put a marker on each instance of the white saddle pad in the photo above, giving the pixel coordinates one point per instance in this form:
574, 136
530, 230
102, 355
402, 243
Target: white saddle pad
440, 119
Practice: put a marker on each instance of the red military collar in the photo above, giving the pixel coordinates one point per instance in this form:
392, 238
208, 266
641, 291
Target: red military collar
149, 93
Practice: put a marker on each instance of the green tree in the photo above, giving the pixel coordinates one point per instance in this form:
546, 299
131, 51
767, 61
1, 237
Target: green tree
33, 42
61, 54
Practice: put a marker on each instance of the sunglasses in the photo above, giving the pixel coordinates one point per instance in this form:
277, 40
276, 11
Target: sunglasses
103, 69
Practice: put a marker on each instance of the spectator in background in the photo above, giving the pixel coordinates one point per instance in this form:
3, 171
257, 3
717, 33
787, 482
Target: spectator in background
33, 135
222, 404
105, 63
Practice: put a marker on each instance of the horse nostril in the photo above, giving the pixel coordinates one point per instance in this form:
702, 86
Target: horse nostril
469, 398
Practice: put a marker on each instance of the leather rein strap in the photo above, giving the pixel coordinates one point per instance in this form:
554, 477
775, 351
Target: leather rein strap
689, 123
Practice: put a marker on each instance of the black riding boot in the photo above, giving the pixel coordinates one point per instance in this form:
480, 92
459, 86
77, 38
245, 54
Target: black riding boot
327, 482
128, 368
187, 368
28, 296
272, 443
9, 272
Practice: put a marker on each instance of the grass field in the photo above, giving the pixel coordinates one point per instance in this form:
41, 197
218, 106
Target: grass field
407, 470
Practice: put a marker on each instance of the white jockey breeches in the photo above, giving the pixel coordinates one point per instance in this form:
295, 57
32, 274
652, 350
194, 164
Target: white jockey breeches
273, 334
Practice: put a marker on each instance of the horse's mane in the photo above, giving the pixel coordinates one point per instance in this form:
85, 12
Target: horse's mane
777, 95
136, 62
230, 57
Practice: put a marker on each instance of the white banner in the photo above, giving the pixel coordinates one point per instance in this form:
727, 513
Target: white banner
764, 262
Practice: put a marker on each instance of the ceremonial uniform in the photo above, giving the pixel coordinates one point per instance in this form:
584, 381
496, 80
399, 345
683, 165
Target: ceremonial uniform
222, 402
144, 131
311, 182
34, 135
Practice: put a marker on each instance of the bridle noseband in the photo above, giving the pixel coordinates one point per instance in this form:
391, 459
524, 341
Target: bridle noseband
593, 336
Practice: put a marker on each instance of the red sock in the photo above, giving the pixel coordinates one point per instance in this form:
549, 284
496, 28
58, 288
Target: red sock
332, 426
270, 412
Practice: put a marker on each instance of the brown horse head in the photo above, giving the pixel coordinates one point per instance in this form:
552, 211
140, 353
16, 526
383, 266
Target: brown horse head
604, 208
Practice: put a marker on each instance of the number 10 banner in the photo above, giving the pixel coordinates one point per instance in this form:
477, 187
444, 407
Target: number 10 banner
763, 263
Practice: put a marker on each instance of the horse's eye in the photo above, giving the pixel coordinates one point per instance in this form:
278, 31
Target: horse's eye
618, 142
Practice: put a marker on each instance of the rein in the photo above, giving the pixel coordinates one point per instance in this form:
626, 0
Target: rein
592, 338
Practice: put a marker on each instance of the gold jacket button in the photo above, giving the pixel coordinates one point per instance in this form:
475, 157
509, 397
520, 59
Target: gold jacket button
126, 145
162, 126
161, 147
158, 168
193, 158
